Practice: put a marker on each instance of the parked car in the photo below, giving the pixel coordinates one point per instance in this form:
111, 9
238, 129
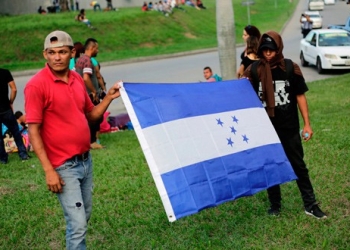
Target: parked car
327, 2
315, 17
345, 26
327, 49
316, 5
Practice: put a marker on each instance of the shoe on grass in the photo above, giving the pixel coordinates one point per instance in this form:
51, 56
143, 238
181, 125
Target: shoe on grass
95, 145
316, 212
274, 211
26, 158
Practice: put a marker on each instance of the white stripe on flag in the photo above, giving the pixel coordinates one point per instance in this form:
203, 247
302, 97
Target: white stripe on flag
187, 141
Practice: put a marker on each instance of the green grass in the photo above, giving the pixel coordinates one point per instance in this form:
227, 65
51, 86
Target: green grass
128, 213
130, 33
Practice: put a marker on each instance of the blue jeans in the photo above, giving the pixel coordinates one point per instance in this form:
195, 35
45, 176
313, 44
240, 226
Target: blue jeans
97, 6
9, 119
76, 200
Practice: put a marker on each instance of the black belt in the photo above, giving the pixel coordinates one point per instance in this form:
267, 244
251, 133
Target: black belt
81, 157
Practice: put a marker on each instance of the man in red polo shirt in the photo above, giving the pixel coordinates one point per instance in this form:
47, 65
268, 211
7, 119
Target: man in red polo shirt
58, 109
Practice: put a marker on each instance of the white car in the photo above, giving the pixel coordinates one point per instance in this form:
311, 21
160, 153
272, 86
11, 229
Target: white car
327, 49
316, 5
315, 17
327, 2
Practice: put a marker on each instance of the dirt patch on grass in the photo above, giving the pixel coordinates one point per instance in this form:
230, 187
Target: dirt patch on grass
6, 190
189, 35
147, 45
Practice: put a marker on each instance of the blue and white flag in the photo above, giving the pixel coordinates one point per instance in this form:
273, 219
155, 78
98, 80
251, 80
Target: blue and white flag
205, 143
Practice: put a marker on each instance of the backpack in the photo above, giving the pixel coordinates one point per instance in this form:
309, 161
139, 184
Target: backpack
289, 70
217, 78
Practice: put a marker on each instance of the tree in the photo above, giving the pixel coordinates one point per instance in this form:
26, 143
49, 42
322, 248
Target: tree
225, 29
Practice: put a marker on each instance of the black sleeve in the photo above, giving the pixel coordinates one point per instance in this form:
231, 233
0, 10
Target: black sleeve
300, 86
7, 77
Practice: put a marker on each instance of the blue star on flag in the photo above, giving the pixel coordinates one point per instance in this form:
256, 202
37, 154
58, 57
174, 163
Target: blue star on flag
229, 141
234, 119
219, 122
233, 130
245, 138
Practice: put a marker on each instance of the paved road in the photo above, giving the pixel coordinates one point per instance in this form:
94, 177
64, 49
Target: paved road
189, 68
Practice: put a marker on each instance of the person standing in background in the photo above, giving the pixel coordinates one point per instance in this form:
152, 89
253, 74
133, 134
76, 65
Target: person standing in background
7, 117
306, 23
86, 70
95, 5
252, 55
109, 5
71, 2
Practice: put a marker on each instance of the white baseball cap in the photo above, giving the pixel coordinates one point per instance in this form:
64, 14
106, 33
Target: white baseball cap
58, 38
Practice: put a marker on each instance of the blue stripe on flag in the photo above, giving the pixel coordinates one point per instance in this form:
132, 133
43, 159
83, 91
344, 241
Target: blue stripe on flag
212, 182
159, 103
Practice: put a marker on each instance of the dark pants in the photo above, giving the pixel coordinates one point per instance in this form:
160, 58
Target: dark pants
9, 119
94, 128
110, 6
97, 6
293, 148
305, 32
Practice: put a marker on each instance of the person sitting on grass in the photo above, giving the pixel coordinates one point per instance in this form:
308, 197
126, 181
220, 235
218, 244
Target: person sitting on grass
41, 10
144, 6
192, 4
174, 4
82, 18
165, 8
200, 5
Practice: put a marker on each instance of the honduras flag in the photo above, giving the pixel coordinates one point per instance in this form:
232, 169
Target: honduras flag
205, 143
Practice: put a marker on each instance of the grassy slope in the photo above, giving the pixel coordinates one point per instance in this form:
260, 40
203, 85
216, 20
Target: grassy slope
130, 32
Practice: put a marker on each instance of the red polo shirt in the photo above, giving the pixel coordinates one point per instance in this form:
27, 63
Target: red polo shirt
60, 108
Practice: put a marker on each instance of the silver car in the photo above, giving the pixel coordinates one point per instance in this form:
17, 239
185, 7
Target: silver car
316, 5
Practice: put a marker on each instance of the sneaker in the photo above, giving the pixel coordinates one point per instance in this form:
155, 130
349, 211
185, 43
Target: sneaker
274, 211
3, 162
26, 158
316, 212
95, 145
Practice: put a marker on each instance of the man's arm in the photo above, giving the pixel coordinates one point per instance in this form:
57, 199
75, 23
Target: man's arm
100, 109
13, 92
303, 108
100, 78
53, 179
90, 86
88, 83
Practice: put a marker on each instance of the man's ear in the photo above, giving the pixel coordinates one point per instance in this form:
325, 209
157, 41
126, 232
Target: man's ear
73, 52
45, 54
